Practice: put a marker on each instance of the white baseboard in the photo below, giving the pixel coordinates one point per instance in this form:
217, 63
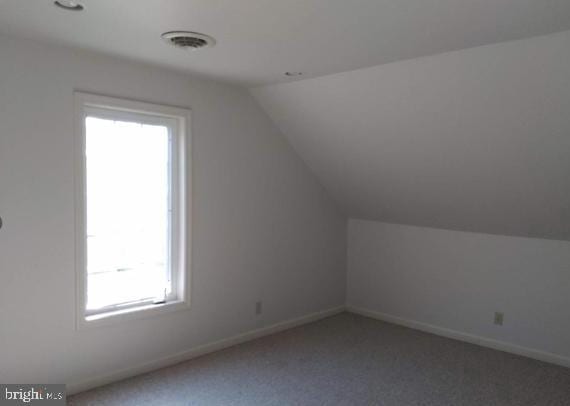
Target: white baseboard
470, 338
76, 387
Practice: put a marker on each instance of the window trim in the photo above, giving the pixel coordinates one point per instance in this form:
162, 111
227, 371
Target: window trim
181, 204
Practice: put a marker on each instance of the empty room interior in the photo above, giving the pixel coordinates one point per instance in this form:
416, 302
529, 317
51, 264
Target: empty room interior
299, 202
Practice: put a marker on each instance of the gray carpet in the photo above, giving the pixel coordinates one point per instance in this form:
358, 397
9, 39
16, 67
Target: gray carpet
346, 360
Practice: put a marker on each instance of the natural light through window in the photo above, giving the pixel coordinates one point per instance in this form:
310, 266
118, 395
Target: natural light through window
128, 212
133, 200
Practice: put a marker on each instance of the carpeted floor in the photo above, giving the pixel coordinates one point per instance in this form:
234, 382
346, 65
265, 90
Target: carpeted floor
346, 360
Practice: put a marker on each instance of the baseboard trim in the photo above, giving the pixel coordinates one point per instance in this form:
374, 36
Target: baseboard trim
469, 338
198, 351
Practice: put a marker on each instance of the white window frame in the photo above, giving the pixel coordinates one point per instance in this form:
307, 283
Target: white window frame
178, 119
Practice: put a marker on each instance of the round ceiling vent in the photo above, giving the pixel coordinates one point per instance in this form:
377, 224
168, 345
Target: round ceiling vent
188, 40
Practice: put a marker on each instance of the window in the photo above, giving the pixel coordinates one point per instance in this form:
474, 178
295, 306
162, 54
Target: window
130, 208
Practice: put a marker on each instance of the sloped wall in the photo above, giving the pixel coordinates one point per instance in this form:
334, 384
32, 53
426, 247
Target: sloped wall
473, 140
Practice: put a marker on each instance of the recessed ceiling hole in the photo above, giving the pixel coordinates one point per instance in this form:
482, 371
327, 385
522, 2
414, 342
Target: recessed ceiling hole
69, 5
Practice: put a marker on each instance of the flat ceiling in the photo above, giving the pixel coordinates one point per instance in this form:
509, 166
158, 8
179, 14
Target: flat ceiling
259, 40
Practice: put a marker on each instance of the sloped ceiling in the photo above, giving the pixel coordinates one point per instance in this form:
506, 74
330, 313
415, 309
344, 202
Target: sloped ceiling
259, 40
474, 140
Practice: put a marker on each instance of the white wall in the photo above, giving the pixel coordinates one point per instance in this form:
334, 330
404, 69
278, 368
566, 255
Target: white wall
263, 227
457, 280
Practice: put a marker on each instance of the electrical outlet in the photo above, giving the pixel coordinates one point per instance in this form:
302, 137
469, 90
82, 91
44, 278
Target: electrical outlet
499, 318
258, 308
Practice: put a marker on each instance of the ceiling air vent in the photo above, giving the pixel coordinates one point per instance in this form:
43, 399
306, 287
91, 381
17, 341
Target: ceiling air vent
188, 40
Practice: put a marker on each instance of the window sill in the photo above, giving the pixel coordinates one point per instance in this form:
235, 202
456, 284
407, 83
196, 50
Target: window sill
133, 313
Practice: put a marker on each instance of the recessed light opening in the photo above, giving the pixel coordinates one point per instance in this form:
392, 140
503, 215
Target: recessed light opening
69, 5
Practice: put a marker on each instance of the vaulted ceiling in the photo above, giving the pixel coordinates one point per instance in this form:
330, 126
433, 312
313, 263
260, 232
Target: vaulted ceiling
259, 40
475, 140
436, 120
